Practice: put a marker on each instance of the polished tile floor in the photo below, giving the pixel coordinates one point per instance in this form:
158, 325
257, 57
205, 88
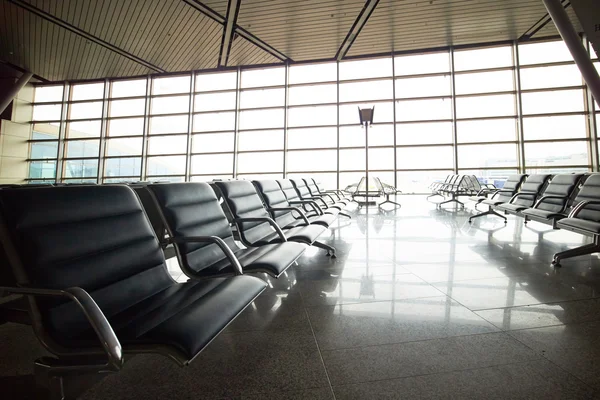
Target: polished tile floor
418, 305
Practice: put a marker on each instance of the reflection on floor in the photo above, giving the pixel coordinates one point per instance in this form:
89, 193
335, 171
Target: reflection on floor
418, 304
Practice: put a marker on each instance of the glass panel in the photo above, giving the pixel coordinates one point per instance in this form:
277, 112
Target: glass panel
555, 154
484, 82
422, 64
87, 91
423, 87
485, 106
123, 167
82, 148
361, 69
313, 73
263, 77
42, 169
215, 101
315, 94
493, 57
262, 98
482, 156
364, 91
47, 112
552, 102
260, 162
312, 160
218, 81
45, 149
176, 84
210, 178
212, 142
85, 110
45, 131
312, 138
557, 170
212, 164
166, 165
83, 129
169, 124
170, 105
173, 144
384, 112
435, 157
121, 108
352, 136
496, 130
496, 177
419, 181
126, 127
549, 77
222, 121
381, 159
80, 168
380, 135
423, 110
260, 140
326, 180
128, 88
545, 52
124, 147
568, 126
424, 133
352, 159
48, 93
261, 119
313, 116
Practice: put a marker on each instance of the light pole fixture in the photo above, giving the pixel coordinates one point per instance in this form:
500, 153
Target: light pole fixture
366, 120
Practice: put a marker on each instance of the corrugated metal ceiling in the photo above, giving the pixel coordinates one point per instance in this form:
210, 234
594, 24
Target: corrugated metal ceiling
85, 39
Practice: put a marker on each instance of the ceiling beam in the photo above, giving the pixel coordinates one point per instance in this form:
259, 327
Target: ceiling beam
233, 9
541, 23
360, 22
51, 18
209, 12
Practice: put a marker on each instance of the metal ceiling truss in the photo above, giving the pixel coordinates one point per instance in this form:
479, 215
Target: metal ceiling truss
51, 18
541, 23
233, 9
360, 22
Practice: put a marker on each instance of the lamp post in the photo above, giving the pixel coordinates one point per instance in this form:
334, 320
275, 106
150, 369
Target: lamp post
366, 120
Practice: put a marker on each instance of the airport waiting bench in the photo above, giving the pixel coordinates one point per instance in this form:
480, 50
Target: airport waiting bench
91, 267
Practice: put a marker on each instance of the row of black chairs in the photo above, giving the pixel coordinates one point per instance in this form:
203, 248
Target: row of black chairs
93, 271
564, 201
455, 186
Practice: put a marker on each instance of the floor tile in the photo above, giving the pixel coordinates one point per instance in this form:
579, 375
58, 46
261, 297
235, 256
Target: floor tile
366, 324
424, 357
310, 394
460, 271
531, 380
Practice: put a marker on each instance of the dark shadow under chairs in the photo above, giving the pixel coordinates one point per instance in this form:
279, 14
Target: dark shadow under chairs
255, 225
199, 229
584, 218
510, 188
92, 268
552, 206
285, 214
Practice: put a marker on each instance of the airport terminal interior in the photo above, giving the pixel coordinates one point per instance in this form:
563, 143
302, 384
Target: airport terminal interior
299, 199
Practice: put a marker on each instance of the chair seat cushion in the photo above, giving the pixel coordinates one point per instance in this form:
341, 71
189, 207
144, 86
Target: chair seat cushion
303, 234
185, 316
477, 199
325, 220
491, 202
515, 208
579, 225
274, 258
542, 214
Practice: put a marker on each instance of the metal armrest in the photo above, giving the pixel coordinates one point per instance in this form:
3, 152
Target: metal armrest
501, 191
581, 205
517, 195
312, 203
544, 198
264, 219
302, 215
93, 313
215, 240
314, 198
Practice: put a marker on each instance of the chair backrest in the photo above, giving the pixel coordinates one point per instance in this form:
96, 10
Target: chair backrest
274, 197
559, 185
589, 191
534, 185
301, 188
288, 189
97, 238
475, 185
511, 186
192, 209
312, 188
151, 210
243, 202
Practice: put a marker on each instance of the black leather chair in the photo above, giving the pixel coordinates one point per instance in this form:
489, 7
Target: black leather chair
255, 225
304, 193
97, 283
340, 194
311, 207
285, 214
552, 206
584, 218
511, 187
199, 229
328, 197
531, 190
